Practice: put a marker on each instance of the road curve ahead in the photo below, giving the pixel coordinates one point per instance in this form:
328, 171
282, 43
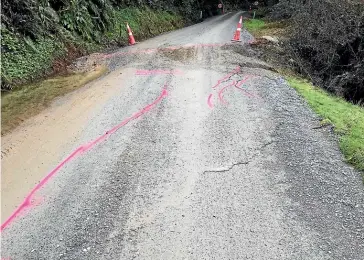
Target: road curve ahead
202, 153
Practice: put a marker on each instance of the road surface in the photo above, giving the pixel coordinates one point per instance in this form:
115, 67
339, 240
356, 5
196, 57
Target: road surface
202, 152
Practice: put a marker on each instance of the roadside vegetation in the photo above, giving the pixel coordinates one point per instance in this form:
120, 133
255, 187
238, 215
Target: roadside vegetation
326, 42
26, 101
321, 65
41, 38
346, 118
261, 27
323, 40
254, 26
53, 33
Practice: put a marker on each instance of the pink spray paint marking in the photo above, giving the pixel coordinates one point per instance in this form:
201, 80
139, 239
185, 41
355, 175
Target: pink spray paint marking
36, 201
246, 92
209, 101
245, 79
236, 70
251, 41
221, 97
111, 55
171, 48
158, 72
235, 84
80, 150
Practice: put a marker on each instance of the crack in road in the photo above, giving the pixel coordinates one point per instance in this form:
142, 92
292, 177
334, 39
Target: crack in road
265, 145
227, 168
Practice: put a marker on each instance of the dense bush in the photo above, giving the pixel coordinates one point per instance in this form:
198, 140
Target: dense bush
35, 33
87, 18
23, 58
327, 42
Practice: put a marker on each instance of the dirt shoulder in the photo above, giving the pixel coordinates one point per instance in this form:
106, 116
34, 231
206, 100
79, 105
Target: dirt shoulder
27, 101
37, 145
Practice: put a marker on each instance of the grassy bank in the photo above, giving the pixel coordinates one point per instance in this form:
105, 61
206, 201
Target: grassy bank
25, 59
347, 119
254, 25
144, 23
260, 27
26, 101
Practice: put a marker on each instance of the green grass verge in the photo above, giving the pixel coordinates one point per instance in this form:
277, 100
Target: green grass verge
260, 27
348, 119
254, 25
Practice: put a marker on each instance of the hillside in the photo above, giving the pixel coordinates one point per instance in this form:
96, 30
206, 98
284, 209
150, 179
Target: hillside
42, 36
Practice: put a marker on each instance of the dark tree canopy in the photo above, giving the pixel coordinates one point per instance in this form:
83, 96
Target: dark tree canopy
327, 41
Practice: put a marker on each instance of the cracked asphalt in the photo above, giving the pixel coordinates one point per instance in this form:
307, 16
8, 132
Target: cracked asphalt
212, 171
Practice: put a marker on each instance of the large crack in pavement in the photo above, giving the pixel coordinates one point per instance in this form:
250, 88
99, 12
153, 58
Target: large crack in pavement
229, 168
226, 169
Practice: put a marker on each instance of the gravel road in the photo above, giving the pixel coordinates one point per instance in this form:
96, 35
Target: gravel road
218, 159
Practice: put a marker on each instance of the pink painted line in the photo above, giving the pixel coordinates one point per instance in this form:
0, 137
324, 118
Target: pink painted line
172, 48
246, 92
221, 98
177, 72
209, 101
80, 150
156, 72
107, 56
243, 80
236, 70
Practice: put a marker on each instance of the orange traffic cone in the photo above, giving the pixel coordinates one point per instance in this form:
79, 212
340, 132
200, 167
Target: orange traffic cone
130, 33
238, 30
